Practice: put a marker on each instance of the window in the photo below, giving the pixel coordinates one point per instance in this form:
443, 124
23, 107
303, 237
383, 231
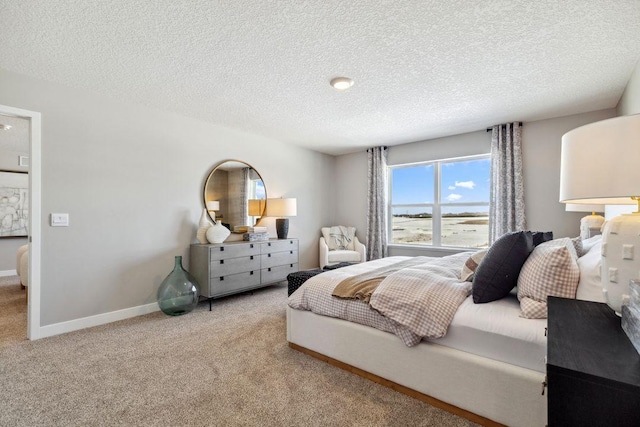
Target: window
441, 203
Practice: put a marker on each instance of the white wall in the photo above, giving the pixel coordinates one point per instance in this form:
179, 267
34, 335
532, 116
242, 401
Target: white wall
630, 100
541, 157
131, 179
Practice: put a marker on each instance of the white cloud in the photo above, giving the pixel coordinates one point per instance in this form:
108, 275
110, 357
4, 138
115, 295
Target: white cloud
466, 184
452, 187
453, 197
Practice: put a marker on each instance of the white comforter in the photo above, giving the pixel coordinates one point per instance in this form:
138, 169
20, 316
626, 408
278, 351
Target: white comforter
413, 303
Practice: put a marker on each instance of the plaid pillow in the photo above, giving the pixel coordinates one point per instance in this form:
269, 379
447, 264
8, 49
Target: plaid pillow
551, 269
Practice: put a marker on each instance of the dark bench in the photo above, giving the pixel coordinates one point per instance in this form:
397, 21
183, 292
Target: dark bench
295, 280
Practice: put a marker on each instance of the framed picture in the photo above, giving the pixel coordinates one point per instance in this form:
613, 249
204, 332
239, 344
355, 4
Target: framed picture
14, 204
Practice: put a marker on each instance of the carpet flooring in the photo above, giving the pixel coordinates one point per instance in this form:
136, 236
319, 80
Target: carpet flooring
228, 367
13, 311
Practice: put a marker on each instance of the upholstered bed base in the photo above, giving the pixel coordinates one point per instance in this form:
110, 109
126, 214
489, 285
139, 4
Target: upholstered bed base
493, 390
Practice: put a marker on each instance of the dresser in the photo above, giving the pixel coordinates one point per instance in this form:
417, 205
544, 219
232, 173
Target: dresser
228, 268
593, 370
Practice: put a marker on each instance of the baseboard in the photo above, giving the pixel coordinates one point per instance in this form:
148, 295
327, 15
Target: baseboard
97, 320
5, 273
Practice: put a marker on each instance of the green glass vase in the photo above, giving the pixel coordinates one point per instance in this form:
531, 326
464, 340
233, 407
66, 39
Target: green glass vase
178, 293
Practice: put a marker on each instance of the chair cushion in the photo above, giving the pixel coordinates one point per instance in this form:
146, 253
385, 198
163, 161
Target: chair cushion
333, 243
344, 256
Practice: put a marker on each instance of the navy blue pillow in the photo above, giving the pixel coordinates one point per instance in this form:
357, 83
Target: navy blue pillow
498, 271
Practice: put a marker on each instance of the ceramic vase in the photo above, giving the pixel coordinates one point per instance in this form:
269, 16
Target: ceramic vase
217, 233
203, 226
178, 293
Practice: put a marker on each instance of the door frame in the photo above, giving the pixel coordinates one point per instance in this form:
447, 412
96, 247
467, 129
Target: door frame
35, 230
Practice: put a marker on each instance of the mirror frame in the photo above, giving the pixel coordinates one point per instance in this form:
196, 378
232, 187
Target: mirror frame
210, 175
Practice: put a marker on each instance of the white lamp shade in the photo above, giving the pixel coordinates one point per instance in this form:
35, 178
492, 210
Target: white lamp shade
600, 162
213, 205
574, 207
282, 207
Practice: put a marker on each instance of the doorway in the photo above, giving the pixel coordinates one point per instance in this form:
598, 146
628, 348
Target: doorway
33, 130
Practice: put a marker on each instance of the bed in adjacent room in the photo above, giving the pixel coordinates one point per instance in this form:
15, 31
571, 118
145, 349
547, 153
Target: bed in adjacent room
488, 364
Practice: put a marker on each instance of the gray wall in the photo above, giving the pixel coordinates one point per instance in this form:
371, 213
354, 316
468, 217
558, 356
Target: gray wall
630, 101
542, 143
131, 179
9, 245
541, 156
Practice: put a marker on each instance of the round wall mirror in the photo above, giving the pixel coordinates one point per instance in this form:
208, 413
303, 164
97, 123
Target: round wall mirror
234, 194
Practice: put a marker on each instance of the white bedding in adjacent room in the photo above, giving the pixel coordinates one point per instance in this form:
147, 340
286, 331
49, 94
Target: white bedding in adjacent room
495, 330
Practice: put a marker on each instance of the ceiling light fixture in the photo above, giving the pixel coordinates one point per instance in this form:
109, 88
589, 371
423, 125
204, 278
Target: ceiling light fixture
341, 83
4, 127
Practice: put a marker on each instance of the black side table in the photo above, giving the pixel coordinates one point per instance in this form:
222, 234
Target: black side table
593, 370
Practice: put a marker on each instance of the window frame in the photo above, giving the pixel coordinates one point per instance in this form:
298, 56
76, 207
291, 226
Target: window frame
436, 206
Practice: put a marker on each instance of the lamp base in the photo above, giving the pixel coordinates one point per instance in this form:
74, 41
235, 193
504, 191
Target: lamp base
282, 227
620, 258
590, 223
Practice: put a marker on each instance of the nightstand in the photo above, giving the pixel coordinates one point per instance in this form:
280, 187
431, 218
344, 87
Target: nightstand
593, 370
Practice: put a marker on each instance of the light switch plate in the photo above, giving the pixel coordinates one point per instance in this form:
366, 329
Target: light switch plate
59, 219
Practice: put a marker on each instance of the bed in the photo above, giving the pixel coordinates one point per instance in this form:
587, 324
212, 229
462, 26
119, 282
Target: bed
489, 367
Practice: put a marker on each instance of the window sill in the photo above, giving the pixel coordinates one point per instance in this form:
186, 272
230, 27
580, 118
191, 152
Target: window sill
433, 249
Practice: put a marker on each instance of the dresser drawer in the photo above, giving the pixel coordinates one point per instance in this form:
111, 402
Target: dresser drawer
233, 283
279, 245
279, 258
279, 273
233, 251
224, 267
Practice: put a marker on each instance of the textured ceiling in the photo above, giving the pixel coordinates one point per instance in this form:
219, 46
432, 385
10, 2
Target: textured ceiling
422, 69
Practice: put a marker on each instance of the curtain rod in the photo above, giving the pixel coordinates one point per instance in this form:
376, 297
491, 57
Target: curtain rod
490, 129
384, 147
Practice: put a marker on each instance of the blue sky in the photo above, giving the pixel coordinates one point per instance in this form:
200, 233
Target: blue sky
462, 182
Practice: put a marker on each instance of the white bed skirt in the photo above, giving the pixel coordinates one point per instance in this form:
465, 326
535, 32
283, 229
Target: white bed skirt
501, 392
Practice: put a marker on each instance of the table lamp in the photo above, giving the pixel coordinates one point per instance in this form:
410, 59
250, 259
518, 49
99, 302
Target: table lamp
600, 164
588, 223
212, 207
256, 207
282, 208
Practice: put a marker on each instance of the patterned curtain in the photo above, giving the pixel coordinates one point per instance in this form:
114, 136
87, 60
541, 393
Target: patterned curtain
377, 202
506, 211
238, 210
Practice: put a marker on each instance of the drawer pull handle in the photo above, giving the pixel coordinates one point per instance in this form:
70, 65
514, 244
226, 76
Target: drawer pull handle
268, 244
221, 248
291, 265
251, 257
221, 261
221, 278
268, 255
269, 269
545, 332
291, 252
251, 273
251, 245
291, 242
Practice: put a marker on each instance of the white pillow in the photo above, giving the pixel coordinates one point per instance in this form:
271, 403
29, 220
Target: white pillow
589, 243
550, 270
590, 284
